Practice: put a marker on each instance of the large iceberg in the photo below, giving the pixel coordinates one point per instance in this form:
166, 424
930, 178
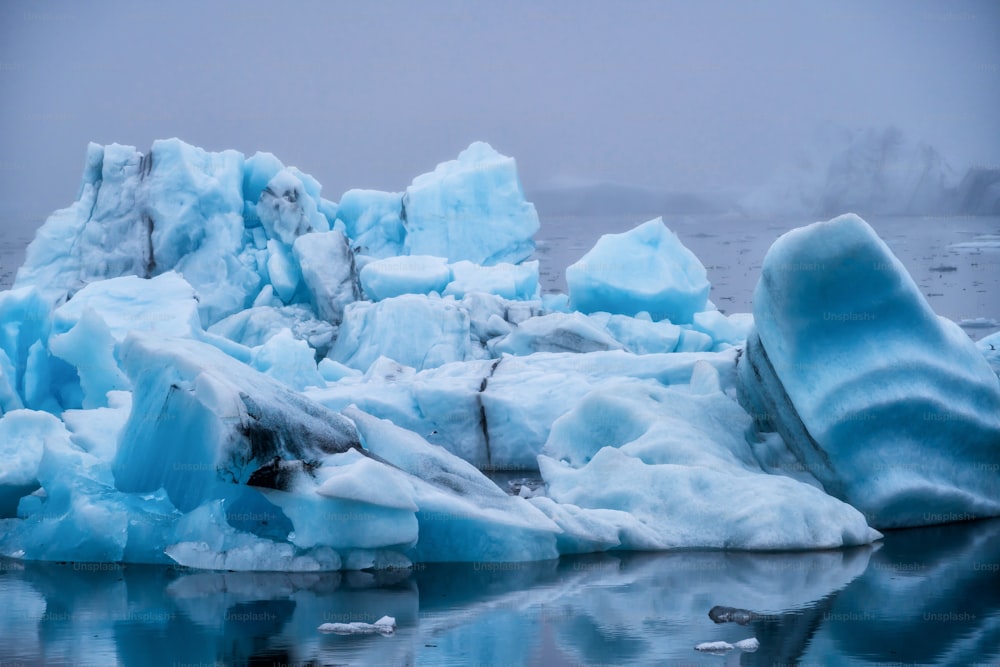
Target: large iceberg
891, 407
205, 362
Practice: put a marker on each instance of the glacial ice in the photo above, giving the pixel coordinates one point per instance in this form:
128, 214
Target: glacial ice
414, 274
749, 645
646, 269
373, 220
678, 462
510, 281
287, 210
383, 626
888, 405
22, 438
328, 273
205, 362
413, 330
471, 208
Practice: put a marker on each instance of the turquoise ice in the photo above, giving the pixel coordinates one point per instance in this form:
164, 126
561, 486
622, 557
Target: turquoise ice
206, 362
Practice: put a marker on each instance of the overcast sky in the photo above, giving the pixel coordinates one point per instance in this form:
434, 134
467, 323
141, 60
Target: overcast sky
670, 95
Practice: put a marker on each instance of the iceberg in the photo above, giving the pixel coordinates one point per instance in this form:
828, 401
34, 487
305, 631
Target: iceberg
888, 405
646, 270
176, 208
471, 208
204, 362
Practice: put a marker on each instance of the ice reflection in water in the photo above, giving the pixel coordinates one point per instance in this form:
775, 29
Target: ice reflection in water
927, 596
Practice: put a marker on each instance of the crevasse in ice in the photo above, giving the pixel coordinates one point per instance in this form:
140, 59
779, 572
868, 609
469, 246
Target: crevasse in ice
204, 361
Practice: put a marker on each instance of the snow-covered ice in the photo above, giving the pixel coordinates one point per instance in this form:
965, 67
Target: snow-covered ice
204, 361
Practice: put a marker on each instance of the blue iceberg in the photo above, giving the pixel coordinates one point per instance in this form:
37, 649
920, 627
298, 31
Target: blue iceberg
204, 361
891, 407
646, 270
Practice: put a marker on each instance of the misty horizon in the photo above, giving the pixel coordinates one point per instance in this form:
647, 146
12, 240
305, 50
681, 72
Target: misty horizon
661, 97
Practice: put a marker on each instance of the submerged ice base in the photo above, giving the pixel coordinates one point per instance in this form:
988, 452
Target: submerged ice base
205, 362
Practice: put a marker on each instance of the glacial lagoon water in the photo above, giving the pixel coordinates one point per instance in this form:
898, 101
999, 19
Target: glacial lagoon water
924, 596
954, 260
921, 596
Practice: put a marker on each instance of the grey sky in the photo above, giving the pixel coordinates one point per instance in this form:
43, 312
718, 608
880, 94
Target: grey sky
671, 95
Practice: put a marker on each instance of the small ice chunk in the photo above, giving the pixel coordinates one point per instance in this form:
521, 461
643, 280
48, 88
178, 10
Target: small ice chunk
720, 614
556, 332
510, 281
287, 209
415, 274
288, 360
721, 328
372, 220
714, 647
705, 379
383, 626
412, 329
328, 272
749, 645
283, 271
23, 437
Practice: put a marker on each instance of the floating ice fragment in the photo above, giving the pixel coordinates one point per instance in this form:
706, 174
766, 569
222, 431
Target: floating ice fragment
748, 645
383, 626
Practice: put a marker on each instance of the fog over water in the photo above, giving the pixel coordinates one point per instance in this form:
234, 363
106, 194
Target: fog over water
667, 96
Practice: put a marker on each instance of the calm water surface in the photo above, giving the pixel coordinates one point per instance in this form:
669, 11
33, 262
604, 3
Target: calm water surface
927, 596
960, 283
924, 596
